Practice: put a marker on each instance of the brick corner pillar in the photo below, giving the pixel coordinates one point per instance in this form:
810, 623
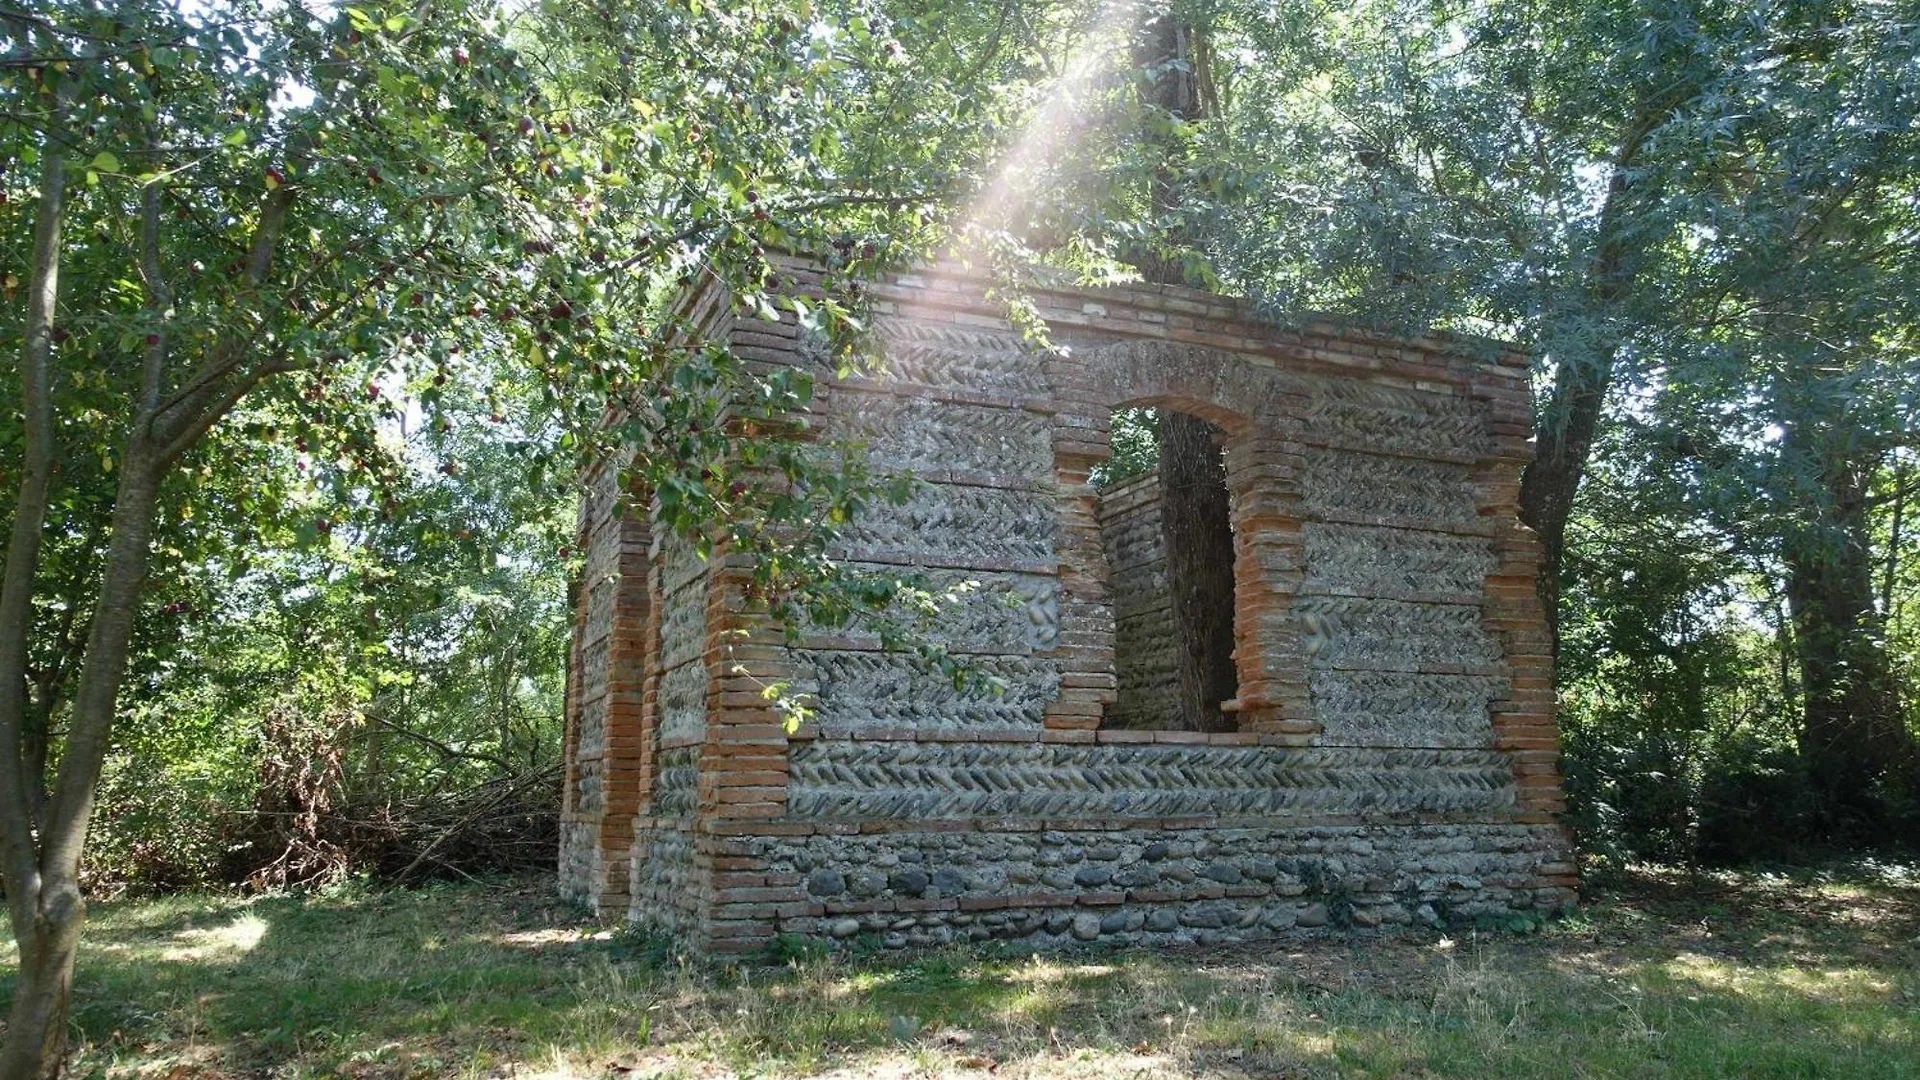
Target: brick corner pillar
742, 787
607, 761
1081, 442
1263, 471
1525, 725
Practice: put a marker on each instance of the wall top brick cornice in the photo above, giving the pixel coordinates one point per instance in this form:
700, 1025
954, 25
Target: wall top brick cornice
1152, 296
1064, 303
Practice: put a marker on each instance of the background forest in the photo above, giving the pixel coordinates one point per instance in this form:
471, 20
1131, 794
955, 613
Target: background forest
392, 264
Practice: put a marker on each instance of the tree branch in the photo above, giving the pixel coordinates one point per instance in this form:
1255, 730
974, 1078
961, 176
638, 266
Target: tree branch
159, 300
436, 745
183, 437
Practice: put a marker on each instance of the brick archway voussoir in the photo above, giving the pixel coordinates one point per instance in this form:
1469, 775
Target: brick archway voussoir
1192, 379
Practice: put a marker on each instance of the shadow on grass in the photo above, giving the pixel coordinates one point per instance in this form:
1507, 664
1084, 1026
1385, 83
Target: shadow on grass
1658, 978
1845, 915
277, 978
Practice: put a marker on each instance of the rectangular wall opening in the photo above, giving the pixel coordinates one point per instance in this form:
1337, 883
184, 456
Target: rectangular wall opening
1167, 525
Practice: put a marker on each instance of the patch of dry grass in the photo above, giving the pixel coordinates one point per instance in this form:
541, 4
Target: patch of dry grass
1662, 975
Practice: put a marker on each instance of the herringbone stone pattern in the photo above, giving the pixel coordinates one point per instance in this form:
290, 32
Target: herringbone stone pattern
674, 786
958, 525
1405, 708
935, 356
1384, 419
910, 780
856, 690
1345, 631
1369, 560
980, 611
1389, 488
937, 439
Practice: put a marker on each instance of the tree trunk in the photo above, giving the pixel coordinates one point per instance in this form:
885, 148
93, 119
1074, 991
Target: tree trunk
1195, 513
1195, 525
37, 1027
1571, 420
45, 915
1166, 54
1581, 379
96, 696
1853, 736
1888, 608
45, 902
17, 789
1552, 476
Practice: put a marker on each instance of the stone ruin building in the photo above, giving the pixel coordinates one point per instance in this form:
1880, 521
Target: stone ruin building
1389, 754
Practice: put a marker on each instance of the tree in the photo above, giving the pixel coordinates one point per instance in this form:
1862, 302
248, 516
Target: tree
258, 232
251, 207
1677, 693
1686, 203
1791, 381
1508, 169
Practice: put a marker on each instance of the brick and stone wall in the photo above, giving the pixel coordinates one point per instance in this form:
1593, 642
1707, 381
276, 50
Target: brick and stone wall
1394, 758
1147, 684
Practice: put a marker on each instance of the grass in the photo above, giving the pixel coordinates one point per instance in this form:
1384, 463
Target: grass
1660, 975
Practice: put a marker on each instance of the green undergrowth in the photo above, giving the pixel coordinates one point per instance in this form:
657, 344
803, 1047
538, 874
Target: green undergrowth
1659, 975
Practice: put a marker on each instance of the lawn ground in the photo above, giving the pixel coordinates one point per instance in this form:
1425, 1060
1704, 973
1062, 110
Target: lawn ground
1662, 974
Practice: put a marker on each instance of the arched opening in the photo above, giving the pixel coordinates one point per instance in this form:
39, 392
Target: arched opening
1166, 521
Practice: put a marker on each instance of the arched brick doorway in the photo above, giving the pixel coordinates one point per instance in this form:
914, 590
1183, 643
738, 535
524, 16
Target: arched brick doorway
1239, 402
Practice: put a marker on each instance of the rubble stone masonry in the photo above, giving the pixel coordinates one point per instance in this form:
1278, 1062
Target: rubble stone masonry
1395, 753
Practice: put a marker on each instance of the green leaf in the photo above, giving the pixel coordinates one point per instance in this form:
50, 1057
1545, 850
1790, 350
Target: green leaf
236, 137
104, 161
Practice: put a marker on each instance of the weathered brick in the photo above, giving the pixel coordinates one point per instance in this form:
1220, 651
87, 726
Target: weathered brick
1395, 702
